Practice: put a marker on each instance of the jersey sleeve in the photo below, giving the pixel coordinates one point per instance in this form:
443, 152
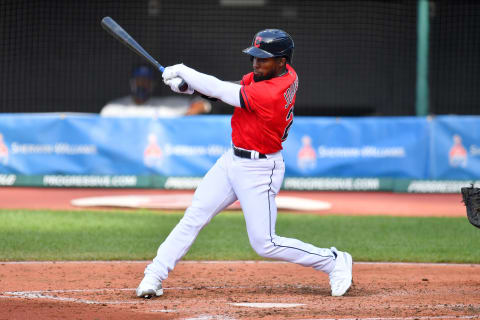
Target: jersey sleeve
259, 97
246, 80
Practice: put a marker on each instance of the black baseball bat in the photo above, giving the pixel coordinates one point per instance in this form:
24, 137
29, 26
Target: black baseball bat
112, 27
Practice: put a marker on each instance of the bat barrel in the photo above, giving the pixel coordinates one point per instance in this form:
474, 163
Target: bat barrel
112, 27
121, 35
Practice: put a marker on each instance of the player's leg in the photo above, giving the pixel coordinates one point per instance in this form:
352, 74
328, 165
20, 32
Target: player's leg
256, 190
257, 184
212, 196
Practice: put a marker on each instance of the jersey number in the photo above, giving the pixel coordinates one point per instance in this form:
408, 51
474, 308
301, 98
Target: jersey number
289, 125
289, 96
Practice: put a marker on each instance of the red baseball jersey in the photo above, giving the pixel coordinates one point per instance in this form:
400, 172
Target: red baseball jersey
263, 121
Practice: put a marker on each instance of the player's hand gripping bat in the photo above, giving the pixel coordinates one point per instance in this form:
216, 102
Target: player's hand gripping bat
121, 35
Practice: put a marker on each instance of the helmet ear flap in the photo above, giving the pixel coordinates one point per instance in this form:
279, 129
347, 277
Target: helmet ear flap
290, 58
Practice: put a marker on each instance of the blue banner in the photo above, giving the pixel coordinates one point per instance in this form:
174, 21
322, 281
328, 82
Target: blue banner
358, 147
455, 148
90, 144
444, 147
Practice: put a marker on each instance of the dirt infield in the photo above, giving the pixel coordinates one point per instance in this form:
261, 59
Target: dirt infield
241, 290
343, 203
206, 290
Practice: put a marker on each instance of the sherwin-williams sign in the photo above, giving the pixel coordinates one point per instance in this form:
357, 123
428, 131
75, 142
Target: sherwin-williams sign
358, 147
455, 147
72, 144
56, 145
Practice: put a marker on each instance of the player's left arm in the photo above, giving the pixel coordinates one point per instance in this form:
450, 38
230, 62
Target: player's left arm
207, 85
215, 99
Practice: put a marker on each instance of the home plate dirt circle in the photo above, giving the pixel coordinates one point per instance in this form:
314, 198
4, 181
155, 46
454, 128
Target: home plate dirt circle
180, 201
208, 290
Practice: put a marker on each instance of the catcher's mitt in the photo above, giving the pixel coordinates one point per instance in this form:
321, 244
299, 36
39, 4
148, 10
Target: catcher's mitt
471, 198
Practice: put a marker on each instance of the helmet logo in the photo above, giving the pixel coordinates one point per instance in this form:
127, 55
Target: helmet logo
257, 42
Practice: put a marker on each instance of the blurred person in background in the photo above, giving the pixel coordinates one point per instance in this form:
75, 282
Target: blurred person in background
141, 103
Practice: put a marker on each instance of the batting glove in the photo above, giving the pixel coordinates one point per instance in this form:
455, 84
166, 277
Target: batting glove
173, 71
174, 84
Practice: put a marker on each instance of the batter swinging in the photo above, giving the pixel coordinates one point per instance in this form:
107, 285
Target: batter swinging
252, 171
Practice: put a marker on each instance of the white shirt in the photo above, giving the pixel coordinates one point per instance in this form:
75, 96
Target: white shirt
165, 107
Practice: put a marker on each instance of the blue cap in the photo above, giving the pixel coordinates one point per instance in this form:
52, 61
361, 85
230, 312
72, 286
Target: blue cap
143, 71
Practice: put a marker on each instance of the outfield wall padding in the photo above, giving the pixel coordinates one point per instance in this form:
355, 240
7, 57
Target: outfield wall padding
321, 153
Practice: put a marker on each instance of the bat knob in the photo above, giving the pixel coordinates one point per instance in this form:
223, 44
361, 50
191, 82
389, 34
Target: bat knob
183, 86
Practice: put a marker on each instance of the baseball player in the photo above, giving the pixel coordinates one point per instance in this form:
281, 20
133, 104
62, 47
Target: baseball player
252, 170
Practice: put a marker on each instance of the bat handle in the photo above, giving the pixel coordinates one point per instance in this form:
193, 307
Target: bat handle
183, 85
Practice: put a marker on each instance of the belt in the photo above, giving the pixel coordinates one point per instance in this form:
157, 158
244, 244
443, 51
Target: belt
248, 154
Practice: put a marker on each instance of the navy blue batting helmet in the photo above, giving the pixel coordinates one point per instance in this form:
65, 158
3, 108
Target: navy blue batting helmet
271, 43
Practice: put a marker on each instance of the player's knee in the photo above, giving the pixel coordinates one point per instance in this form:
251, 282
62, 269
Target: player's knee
263, 247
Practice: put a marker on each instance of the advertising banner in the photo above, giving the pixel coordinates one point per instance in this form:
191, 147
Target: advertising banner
368, 153
358, 147
91, 145
455, 148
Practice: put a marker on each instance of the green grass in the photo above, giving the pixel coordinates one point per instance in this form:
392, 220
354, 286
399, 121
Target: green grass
120, 235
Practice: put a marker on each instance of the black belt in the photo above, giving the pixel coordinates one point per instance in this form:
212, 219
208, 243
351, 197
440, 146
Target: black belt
248, 154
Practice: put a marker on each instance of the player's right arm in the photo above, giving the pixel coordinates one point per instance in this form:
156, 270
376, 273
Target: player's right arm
210, 86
